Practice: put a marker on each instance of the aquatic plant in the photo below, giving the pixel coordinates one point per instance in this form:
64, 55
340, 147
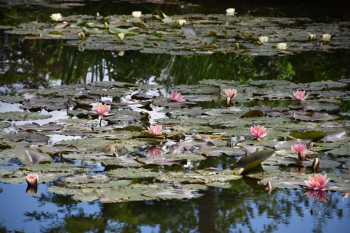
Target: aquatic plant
300, 150
299, 95
121, 36
182, 22
311, 37
326, 37
229, 94
258, 131
101, 110
230, 11
317, 181
155, 129
176, 96
56, 17
263, 39
32, 179
282, 46
136, 14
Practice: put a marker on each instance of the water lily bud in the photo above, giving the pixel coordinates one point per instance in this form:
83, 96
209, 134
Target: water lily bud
182, 22
315, 165
81, 35
105, 25
121, 53
236, 45
121, 36
312, 37
97, 15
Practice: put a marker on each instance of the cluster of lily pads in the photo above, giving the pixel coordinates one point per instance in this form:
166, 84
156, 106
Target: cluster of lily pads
189, 34
121, 136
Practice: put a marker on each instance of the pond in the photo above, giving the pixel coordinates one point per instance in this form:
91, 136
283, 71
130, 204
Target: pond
235, 147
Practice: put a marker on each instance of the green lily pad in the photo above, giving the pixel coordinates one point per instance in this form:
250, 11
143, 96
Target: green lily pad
23, 116
251, 161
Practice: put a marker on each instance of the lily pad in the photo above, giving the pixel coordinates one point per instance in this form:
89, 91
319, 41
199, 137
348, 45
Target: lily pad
251, 161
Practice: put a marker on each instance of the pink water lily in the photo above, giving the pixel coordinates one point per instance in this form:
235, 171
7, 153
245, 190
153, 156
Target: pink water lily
229, 95
101, 109
319, 195
32, 179
155, 129
317, 182
300, 150
258, 131
299, 95
176, 96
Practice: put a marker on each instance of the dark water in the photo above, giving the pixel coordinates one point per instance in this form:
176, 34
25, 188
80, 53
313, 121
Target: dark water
246, 207
239, 209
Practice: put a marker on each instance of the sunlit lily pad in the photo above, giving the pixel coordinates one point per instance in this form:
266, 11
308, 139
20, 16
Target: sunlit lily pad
131, 173
22, 116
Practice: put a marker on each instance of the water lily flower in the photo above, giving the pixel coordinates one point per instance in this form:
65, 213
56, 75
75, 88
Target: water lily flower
121, 53
263, 39
136, 14
154, 151
182, 22
56, 17
319, 195
32, 179
230, 11
282, 46
101, 110
300, 150
121, 36
326, 37
311, 37
299, 95
317, 182
176, 96
229, 95
155, 129
258, 131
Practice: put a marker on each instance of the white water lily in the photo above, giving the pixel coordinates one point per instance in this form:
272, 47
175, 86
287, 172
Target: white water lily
136, 14
182, 22
56, 17
121, 36
230, 11
263, 39
326, 37
282, 46
312, 37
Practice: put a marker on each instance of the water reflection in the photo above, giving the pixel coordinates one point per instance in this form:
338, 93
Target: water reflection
238, 209
40, 63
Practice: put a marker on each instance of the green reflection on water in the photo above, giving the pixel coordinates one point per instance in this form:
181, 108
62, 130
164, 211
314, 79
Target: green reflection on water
35, 60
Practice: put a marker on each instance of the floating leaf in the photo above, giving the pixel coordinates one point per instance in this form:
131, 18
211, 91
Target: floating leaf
30, 156
251, 161
312, 135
